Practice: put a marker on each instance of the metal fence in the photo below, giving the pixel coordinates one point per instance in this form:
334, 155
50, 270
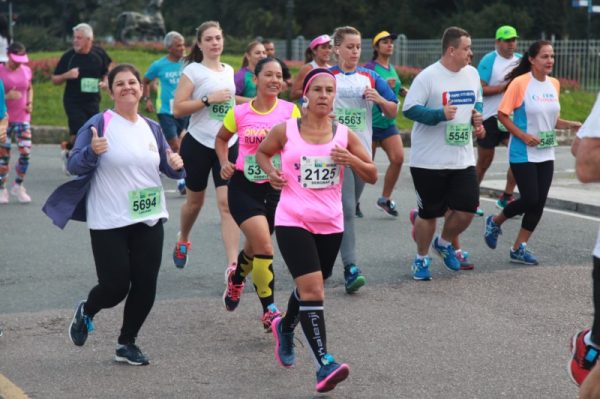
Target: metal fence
575, 59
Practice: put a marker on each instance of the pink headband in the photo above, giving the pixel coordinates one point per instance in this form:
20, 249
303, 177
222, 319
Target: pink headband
313, 78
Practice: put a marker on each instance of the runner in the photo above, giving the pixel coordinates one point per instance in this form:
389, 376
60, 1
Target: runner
3, 127
358, 91
585, 345
206, 92
84, 69
316, 55
385, 132
167, 70
17, 78
309, 220
444, 101
117, 157
245, 88
252, 202
533, 96
493, 69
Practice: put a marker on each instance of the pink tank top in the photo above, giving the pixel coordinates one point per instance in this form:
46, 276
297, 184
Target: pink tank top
312, 198
253, 127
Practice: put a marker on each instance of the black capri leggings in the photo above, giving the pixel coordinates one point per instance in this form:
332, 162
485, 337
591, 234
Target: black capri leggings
305, 252
533, 180
127, 263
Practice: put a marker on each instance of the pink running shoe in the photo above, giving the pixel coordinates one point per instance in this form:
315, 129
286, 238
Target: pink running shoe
233, 292
267, 318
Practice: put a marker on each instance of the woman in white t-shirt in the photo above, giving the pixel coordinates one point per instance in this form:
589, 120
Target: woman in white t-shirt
121, 154
206, 91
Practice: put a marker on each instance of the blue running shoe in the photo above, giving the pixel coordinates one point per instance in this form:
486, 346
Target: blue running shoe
523, 256
331, 373
448, 254
420, 268
492, 231
181, 186
354, 278
387, 206
81, 326
284, 344
131, 354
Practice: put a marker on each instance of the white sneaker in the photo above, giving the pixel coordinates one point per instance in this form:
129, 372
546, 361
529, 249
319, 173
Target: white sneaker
3, 196
64, 158
19, 191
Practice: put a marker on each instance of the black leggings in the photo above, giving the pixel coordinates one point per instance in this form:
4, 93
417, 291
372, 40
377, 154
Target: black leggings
127, 263
305, 252
596, 288
533, 180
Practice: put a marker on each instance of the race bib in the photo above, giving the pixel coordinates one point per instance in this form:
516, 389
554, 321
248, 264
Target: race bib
253, 172
90, 85
458, 134
318, 172
354, 118
217, 111
145, 202
547, 139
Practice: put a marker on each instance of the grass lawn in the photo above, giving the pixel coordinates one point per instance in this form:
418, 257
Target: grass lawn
48, 109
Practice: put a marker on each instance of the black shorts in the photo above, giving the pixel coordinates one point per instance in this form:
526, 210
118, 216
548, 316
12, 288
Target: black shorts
199, 160
305, 252
78, 113
247, 199
441, 189
493, 135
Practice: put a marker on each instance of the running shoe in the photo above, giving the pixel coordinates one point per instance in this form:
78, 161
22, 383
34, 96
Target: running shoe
3, 196
584, 358
354, 278
503, 201
130, 353
523, 255
412, 216
64, 157
358, 212
284, 344
81, 326
1, 332
420, 269
463, 258
387, 206
267, 317
180, 253
19, 191
331, 373
479, 212
181, 186
448, 254
492, 231
233, 292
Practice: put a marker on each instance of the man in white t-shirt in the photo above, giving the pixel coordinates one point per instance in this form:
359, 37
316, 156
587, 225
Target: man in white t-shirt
445, 102
493, 68
586, 344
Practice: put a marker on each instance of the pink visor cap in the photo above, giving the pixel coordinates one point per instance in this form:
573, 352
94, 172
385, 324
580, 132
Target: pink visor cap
319, 40
19, 58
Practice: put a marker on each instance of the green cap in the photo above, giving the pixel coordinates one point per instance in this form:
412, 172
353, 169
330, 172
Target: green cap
506, 32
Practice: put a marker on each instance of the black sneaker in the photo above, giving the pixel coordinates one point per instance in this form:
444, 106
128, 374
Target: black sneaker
131, 354
81, 325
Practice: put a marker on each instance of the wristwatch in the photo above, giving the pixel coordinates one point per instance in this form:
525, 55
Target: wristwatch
205, 101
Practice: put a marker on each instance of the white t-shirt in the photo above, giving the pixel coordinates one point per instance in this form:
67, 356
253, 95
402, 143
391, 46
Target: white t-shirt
205, 124
591, 129
433, 88
493, 69
130, 164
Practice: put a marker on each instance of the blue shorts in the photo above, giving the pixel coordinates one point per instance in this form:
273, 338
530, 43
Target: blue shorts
171, 126
380, 134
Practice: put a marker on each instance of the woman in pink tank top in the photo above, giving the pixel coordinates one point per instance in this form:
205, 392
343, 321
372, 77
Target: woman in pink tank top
309, 222
252, 201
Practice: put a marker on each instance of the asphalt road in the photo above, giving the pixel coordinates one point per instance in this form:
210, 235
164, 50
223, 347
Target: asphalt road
500, 331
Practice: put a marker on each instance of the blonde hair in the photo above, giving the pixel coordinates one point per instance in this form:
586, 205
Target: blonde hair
339, 34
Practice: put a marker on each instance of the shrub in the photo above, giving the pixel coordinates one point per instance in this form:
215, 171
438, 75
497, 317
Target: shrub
43, 69
569, 84
407, 74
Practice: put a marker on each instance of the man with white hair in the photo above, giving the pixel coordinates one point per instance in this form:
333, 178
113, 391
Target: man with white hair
167, 70
84, 69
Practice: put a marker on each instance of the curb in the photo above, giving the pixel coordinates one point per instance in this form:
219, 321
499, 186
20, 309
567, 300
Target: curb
563, 205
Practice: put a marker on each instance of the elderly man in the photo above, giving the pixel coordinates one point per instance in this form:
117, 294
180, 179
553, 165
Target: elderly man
83, 68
